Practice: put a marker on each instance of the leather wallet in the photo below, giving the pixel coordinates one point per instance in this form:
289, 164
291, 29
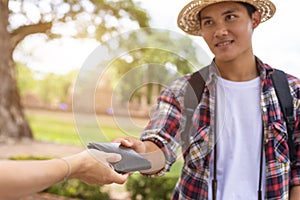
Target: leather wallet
131, 160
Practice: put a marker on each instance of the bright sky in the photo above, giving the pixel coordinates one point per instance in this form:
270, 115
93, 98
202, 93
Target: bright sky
276, 41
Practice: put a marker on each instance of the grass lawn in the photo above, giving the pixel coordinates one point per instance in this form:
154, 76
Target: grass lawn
60, 127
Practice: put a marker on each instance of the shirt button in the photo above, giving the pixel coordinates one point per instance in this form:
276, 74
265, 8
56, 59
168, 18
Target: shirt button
266, 140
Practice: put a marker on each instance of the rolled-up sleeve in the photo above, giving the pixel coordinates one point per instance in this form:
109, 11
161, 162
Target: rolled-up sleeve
164, 126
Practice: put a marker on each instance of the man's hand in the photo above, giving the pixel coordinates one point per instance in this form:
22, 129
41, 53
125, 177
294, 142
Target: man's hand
147, 149
132, 143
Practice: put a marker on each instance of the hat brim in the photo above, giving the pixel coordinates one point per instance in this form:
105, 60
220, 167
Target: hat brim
188, 19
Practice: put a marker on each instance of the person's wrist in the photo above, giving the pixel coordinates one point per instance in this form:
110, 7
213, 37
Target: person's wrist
68, 168
81, 163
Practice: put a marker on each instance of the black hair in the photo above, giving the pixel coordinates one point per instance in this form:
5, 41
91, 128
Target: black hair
250, 9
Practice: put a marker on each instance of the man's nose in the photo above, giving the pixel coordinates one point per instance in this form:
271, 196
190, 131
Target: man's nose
221, 30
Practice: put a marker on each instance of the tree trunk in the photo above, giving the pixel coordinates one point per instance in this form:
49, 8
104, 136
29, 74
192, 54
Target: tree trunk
13, 124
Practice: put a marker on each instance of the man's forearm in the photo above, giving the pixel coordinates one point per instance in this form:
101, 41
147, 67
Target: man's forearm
155, 155
295, 193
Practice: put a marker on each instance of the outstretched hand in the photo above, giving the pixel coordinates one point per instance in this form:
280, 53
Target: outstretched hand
93, 167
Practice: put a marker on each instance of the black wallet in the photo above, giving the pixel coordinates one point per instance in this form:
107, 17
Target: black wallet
131, 160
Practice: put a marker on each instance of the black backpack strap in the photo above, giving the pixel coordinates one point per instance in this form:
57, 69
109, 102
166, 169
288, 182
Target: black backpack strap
285, 98
194, 89
192, 97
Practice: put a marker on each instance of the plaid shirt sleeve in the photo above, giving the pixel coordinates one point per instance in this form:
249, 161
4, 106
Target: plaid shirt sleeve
295, 166
163, 127
281, 174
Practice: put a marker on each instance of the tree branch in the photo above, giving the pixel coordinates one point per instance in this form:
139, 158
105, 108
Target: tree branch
20, 33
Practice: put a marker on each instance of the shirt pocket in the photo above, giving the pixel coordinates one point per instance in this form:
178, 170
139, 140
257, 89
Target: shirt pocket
279, 138
199, 148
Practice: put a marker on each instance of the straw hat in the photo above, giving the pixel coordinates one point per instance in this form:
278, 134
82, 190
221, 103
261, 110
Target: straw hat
188, 19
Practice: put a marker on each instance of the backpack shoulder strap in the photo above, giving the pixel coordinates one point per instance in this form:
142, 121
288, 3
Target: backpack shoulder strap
285, 98
192, 97
194, 90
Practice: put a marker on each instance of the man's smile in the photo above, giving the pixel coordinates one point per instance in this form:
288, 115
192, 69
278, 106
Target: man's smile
224, 43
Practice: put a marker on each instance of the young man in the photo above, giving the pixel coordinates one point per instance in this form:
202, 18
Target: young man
238, 111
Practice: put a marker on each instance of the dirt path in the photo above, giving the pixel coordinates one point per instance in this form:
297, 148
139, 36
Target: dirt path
37, 148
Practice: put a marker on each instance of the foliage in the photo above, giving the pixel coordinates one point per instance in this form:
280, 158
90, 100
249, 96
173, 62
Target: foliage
142, 187
75, 188
146, 70
26, 157
158, 188
90, 18
25, 79
49, 88
54, 88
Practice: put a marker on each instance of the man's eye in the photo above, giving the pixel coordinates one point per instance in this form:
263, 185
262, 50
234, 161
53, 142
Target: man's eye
230, 17
207, 22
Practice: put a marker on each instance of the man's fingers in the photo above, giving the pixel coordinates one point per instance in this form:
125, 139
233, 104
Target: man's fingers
117, 140
127, 142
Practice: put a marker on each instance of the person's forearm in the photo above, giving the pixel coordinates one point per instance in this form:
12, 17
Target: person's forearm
295, 193
155, 156
20, 178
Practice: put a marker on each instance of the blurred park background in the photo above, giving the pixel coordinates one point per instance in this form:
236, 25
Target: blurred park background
44, 43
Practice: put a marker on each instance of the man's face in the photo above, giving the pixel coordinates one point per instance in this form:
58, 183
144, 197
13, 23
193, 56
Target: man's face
227, 29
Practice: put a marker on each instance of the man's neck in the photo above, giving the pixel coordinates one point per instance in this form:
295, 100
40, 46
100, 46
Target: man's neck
238, 70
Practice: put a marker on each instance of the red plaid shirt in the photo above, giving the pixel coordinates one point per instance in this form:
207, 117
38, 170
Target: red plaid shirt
166, 123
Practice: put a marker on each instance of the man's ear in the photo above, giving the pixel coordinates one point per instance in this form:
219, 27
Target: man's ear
256, 18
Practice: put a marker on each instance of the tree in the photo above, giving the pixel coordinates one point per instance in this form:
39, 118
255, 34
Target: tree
163, 56
25, 79
19, 19
53, 88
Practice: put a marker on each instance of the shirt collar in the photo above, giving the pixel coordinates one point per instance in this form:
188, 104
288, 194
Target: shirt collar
210, 73
264, 69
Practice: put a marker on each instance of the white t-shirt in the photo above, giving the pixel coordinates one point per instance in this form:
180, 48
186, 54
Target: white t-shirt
239, 129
